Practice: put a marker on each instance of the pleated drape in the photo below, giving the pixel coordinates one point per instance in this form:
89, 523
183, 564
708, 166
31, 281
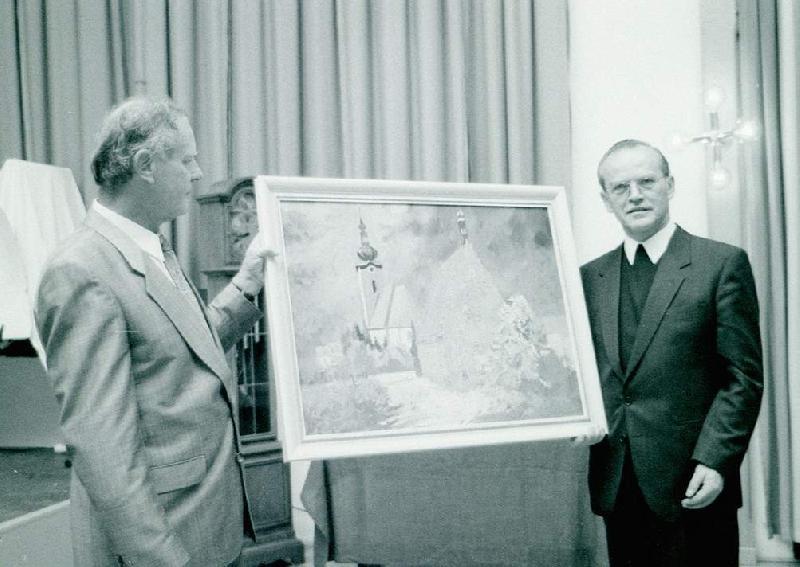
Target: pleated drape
789, 33
418, 89
770, 68
62, 67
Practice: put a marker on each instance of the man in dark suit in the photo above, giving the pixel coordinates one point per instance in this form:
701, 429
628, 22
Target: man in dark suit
148, 402
675, 327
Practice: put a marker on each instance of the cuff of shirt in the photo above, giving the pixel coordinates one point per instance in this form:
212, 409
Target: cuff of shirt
248, 296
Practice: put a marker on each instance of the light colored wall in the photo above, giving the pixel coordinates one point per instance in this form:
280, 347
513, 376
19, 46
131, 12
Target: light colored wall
640, 70
635, 72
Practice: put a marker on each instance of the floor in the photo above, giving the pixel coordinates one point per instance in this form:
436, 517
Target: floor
32, 479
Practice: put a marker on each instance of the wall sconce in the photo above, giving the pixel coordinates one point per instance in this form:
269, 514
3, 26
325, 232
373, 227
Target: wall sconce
717, 138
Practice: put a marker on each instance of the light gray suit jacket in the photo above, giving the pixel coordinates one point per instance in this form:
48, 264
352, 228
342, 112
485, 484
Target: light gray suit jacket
148, 405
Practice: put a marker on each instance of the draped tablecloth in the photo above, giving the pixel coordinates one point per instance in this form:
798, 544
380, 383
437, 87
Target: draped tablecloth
16, 315
522, 504
42, 205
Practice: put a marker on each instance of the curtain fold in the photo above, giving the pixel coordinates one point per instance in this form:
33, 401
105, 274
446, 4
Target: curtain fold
520, 97
12, 136
63, 66
427, 57
354, 59
769, 66
426, 89
320, 94
456, 88
789, 65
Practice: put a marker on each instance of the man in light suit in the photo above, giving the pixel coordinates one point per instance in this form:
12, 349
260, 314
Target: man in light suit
148, 403
676, 333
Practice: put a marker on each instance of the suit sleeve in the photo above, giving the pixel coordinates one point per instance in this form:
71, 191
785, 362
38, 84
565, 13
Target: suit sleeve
732, 416
232, 315
84, 332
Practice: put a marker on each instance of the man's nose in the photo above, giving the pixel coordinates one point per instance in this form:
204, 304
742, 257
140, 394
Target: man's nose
197, 174
635, 192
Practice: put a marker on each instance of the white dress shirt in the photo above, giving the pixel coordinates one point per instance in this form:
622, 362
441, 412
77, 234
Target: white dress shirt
655, 246
145, 239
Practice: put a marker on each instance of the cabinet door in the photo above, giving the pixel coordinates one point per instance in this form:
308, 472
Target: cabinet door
253, 373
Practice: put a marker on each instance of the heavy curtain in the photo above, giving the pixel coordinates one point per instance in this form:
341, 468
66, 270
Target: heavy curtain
769, 74
454, 90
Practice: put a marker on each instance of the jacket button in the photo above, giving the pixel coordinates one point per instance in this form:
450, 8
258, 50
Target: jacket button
627, 399
239, 459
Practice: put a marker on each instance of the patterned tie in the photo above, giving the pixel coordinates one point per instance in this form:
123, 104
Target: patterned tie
177, 275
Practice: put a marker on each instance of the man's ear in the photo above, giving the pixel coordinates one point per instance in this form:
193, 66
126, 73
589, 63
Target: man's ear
143, 165
604, 196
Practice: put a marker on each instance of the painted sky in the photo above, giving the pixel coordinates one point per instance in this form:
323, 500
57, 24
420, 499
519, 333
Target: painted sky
322, 239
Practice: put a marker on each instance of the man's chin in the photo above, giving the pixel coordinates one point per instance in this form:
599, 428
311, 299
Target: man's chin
641, 219
641, 228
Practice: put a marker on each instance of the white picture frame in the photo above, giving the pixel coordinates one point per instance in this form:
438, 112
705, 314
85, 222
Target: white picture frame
410, 315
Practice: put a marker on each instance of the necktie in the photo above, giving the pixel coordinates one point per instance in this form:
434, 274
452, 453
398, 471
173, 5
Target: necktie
643, 272
641, 260
177, 275
637, 278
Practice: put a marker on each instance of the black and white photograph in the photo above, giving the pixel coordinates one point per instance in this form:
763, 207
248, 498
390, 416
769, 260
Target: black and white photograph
384, 283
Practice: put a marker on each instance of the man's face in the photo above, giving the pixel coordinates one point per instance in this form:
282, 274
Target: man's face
636, 191
174, 172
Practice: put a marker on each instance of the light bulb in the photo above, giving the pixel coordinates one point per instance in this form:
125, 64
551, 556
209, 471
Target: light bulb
713, 99
747, 131
719, 177
677, 141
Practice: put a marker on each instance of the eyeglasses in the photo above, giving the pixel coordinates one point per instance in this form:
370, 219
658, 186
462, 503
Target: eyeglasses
623, 188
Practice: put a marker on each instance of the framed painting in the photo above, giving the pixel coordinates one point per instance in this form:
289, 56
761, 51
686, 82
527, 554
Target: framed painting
408, 316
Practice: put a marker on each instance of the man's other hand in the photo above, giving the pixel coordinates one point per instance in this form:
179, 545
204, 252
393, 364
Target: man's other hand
589, 438
250, 277
704, 487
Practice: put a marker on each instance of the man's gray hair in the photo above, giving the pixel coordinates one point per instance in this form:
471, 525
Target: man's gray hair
137, 124
630, 143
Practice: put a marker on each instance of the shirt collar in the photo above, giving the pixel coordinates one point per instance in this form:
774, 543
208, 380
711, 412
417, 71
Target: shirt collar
145, 239
655, 246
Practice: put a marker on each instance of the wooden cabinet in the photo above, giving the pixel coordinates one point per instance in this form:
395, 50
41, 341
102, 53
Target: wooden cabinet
226, 224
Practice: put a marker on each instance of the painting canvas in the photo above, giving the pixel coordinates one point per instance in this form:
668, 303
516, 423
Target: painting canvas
407, 315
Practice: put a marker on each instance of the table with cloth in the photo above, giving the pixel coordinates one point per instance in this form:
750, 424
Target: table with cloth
520, 504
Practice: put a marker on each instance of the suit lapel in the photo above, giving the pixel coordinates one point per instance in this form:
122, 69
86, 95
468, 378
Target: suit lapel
666, 283
209, 325
133, 254
166, 295
609, 307
173, 303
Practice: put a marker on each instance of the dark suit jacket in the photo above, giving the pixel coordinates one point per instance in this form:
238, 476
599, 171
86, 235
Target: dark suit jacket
148, 405
693, 384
